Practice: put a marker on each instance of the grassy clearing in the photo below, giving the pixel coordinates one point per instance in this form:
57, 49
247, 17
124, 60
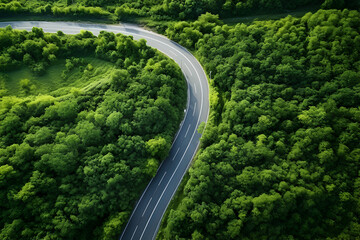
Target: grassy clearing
52, 81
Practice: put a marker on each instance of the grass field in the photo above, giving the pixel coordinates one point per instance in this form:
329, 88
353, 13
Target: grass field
52, 81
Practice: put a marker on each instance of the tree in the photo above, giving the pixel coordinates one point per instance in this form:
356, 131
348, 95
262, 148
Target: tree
43, 136
280, 143
152, 166
6, 172
120, 79
158, 147
94, 138
26, 86
114, 120
88, 133
201, 127
112, 227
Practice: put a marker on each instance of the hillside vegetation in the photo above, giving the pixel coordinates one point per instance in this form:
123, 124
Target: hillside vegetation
83, 133
159, 9
280, 155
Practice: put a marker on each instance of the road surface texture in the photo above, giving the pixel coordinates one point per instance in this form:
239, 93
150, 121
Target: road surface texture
146, 217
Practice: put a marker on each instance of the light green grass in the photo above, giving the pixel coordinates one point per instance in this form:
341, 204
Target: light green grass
52, 82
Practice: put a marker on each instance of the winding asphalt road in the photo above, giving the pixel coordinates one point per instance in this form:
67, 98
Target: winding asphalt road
146, 217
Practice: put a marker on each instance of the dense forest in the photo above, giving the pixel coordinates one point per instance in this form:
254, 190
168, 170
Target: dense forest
161, 9
280, 154
73, 162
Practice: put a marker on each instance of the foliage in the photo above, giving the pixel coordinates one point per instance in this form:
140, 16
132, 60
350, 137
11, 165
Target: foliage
280, 155
72, 164
161, 9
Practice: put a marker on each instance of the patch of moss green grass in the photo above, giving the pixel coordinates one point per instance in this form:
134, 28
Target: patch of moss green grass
54, 82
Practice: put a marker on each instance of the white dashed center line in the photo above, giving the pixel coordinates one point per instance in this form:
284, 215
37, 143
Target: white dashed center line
187, 130
146, 207
188, 69
175, 154
134, 232
162, 179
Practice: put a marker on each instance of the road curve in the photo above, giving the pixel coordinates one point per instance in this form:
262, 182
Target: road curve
147, 214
